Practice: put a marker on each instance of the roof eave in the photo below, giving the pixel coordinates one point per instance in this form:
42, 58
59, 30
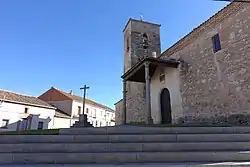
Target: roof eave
130, 19
29, 104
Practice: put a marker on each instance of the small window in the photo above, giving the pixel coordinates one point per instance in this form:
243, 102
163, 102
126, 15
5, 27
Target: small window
162, 78
145, 41
5, 123
79, 110
144, 91
96, 123
26, 110
100, 123
162, 75
107, 123
40, 125
87, 110
216, 43
94, 112
127, 44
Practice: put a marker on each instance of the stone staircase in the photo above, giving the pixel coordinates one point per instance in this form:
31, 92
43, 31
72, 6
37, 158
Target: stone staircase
131, 146
83, 122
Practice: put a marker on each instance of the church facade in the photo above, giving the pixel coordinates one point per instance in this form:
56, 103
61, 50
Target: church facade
203, 78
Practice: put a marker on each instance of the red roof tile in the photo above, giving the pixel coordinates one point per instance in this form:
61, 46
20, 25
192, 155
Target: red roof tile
23, 99
88, 101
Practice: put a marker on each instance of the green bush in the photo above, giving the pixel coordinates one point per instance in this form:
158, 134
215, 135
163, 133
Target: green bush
32, 132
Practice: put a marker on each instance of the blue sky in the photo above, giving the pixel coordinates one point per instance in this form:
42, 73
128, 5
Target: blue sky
67, 44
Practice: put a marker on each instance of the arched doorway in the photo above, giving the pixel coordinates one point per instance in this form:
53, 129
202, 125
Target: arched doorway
166, 117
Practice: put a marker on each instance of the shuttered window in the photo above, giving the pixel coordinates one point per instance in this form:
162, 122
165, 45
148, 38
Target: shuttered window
216, 43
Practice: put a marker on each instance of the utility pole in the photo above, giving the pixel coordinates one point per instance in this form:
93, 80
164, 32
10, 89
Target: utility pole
84, 95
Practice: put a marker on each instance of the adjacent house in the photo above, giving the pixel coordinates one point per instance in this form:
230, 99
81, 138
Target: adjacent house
52, 110
22, 112
72, 105
61, 120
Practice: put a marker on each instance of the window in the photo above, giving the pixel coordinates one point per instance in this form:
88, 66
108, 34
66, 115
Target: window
79, 110
40, 125
127, 44
145, 41
162, 75
87, 110
94, 112
100, 123
107, 114
107, 123
5, 123
216, 43
26, 110
144, 91
96, 123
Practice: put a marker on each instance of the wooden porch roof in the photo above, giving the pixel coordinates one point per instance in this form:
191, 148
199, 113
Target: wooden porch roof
137, 72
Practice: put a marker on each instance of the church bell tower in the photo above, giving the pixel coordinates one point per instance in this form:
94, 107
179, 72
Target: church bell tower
141, 39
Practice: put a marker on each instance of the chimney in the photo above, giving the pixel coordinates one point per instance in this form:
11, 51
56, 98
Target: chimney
154, 54
71, 92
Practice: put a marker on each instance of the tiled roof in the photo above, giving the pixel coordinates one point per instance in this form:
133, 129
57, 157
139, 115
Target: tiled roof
23, 99
87, 101
61, 114
223, 14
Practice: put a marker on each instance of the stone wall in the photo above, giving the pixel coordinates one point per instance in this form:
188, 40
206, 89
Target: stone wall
118, 112
136, 102
216, 86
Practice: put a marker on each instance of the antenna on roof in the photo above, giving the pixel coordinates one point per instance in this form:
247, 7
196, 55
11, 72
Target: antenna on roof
141, 17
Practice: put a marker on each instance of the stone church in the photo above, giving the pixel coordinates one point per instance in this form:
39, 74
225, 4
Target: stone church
202, 78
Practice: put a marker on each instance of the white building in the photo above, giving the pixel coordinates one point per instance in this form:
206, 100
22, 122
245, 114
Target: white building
61, 120
98, 114
22, 112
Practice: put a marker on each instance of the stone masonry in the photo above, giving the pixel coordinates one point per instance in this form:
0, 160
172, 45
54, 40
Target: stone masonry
215, 87
134, 52
118, 113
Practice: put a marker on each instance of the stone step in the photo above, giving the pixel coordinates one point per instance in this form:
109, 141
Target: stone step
122, 147
126, 138
81, 125
124, 157
154, 130
196, 164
